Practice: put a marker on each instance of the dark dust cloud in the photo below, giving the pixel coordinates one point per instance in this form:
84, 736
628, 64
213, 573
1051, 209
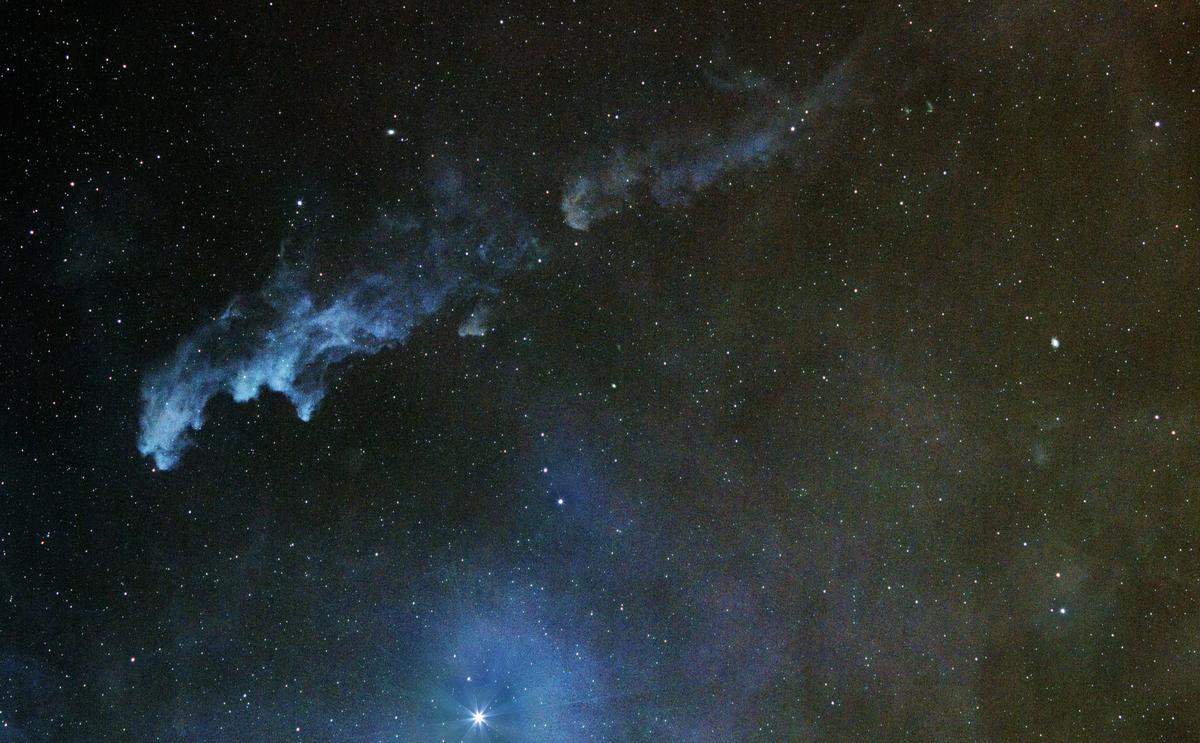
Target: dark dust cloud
601, 372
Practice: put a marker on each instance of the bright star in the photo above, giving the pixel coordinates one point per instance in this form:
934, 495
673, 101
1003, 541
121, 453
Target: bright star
478, 718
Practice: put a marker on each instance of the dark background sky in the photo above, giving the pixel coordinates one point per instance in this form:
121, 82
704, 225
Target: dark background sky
793, 460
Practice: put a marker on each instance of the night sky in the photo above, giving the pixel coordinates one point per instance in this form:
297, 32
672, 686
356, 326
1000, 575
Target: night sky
600, 371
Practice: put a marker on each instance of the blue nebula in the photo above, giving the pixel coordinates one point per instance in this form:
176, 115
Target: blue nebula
676, 168
288, 336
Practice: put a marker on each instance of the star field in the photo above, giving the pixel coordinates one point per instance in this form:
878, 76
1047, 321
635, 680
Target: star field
600, 372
